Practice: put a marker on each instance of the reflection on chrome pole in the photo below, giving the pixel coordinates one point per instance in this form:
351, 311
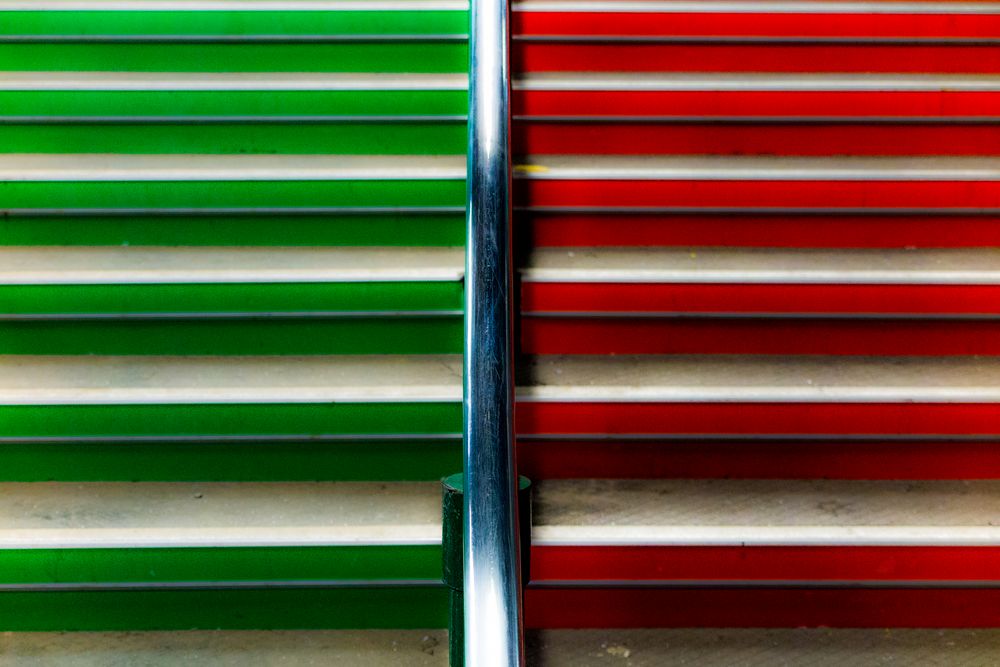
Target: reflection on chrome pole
491, 554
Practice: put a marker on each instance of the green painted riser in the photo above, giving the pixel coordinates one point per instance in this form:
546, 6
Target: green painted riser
235, 609
420, 460
229, 194
236, 230
253, 103
263, 420
218, 564
230, 297
225, 138
359, 56
247, 336
232, 23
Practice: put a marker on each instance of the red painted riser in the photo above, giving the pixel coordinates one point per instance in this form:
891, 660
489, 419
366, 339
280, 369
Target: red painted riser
756, 104
776, 231
545, 297
764, 563
751, 459
537, 138
807, 194
612, 57
806, 25
548, 335
537, 418
770, 607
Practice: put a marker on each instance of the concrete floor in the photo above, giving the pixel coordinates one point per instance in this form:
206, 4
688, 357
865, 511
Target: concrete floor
562, 648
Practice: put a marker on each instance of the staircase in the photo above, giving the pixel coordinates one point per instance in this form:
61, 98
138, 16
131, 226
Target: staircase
231, 290
759, 300
759, 287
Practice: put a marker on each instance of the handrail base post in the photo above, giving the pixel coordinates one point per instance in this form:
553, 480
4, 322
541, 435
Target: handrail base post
452, 557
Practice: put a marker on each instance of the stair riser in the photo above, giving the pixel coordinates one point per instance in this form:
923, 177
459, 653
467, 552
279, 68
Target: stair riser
734, 564
858, 419
537, 229
581, 23
807, 139
883, 194
767, 608
756, 459
750, 104
779, 336
694, 57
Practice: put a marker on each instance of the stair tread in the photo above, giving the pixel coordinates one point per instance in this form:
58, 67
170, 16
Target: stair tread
63, 380
724, 378
223, 514
723, 647
267, 648
766, 512
27, 265
767, 265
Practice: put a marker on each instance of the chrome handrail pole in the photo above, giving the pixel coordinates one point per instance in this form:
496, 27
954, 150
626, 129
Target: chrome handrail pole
493, 635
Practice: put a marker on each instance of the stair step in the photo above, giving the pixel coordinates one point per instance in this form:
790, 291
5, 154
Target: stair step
148, 556
666, 553
718, 395
112, 398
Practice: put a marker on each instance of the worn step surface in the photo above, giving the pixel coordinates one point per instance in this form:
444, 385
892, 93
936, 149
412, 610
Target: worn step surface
274, 648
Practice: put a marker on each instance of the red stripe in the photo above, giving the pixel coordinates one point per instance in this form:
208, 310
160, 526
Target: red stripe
694, 24
616, 57
546, 297
537, 138
778, 563
755, 103
902, 419
757, 336
780, 231
771, 607
699, 459
805, 194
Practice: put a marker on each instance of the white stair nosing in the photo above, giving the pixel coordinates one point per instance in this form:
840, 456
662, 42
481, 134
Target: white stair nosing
230, 81
760, 536
972, 266
30, 265
272, 536
96, 380
232, 5
725, 168
754, 82
21, 167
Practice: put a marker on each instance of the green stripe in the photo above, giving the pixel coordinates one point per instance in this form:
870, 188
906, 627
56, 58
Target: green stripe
233, 23
360, 56
236, 609
269, 419
236, 230
157, 565
245, 336
230, 297
228, 194
329, 138
419, 460
76, 103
